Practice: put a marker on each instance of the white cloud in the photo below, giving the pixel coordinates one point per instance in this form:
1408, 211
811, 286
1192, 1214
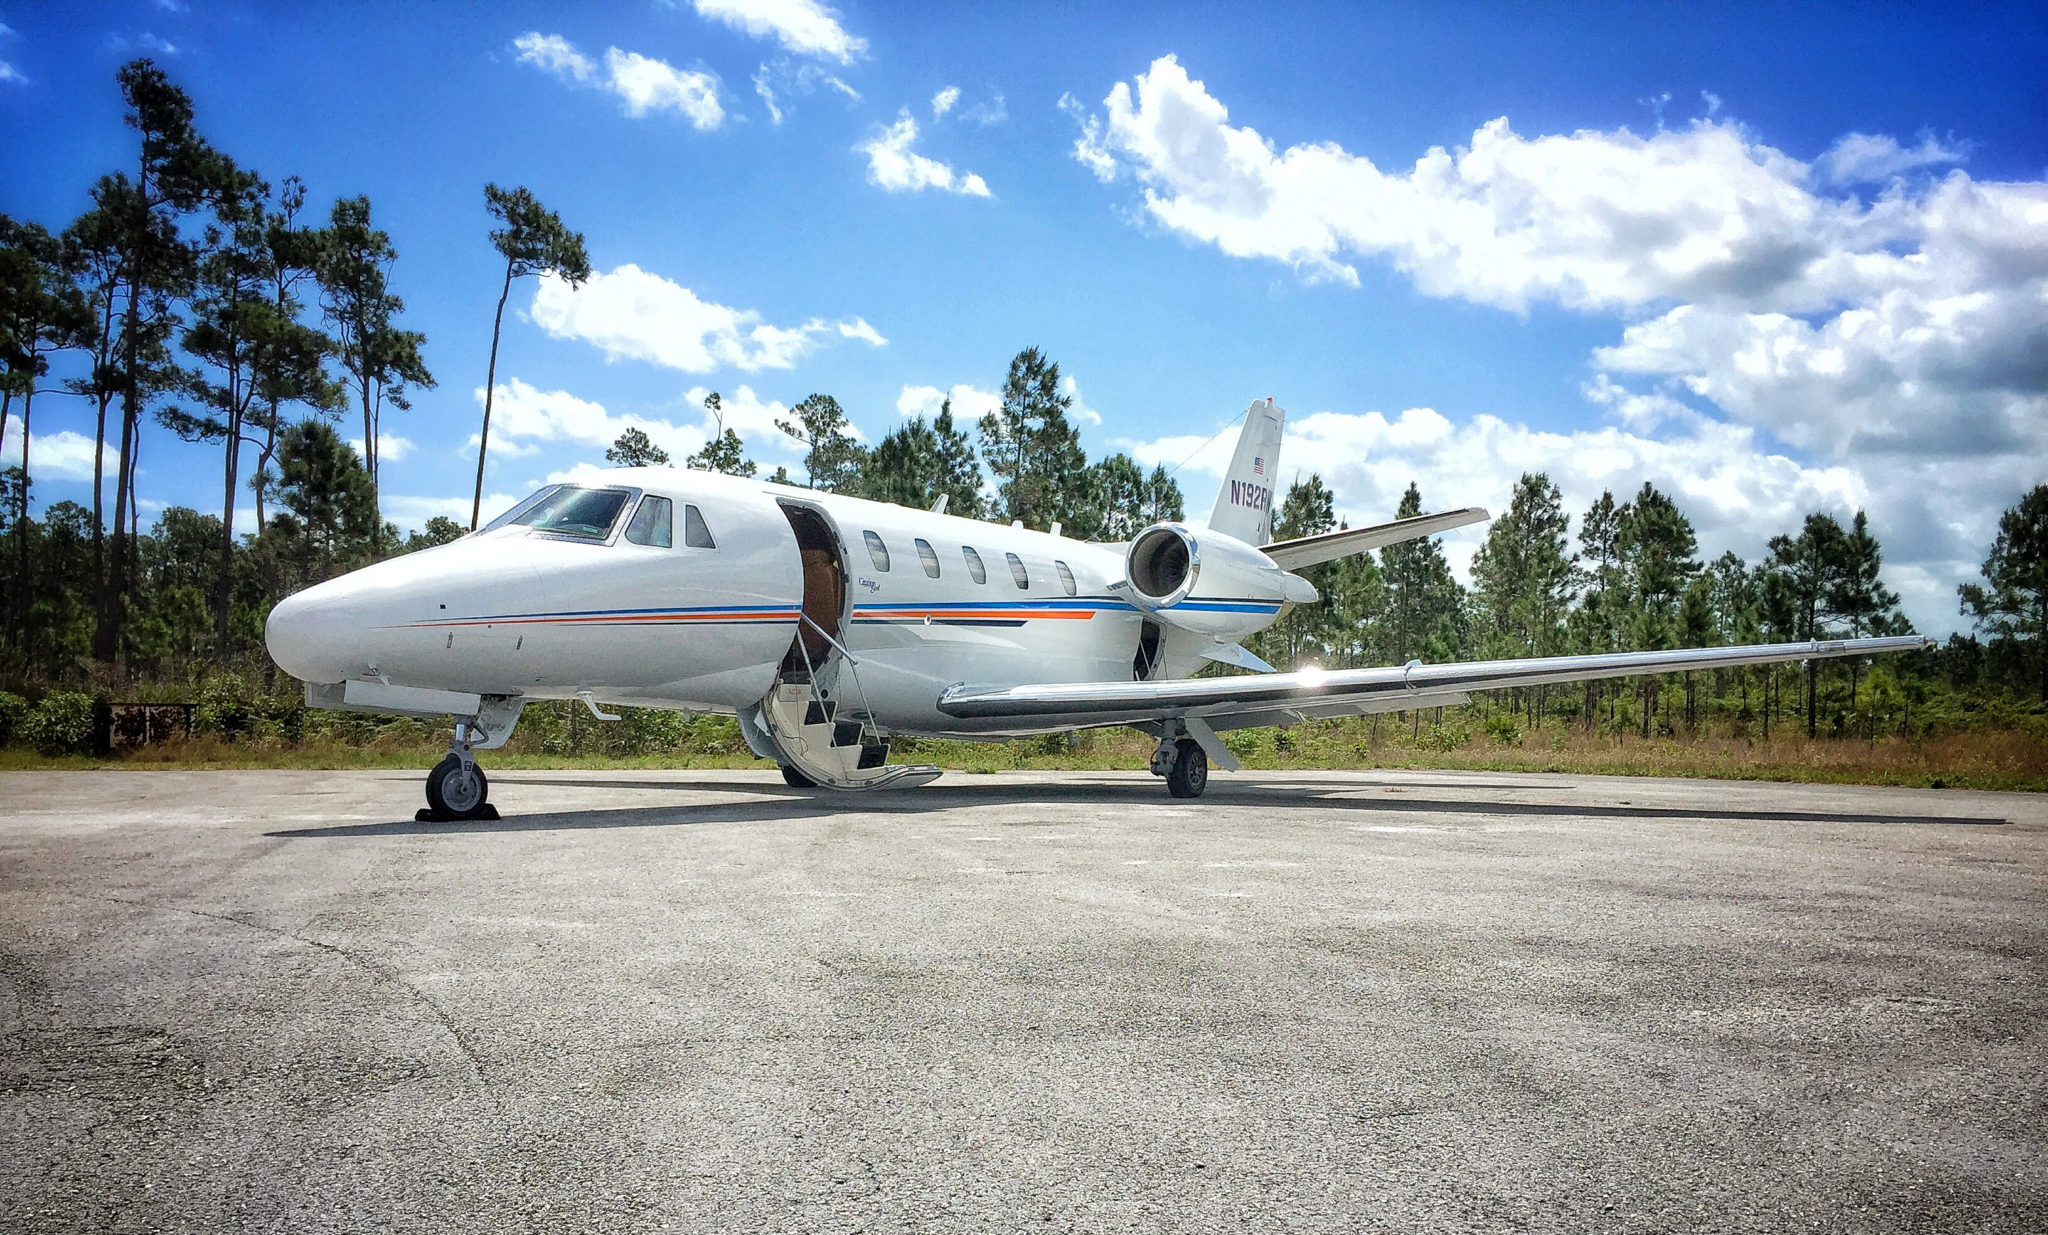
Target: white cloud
993, 111
895, 167
943, 101
803, 26
411, 511
631, 313
524, 414
1070, 386
641, 83
1900, 341
652, 85
1089, 150
172, 6
1862, 157
390, 447
970, 403
779, 81
9, 73
63, 455
555, 54
858, 328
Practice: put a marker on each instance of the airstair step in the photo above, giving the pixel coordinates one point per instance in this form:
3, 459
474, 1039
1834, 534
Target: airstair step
845, 732
820, 711
873, 755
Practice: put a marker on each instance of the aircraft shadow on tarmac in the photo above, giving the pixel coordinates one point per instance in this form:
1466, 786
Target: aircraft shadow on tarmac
773, 803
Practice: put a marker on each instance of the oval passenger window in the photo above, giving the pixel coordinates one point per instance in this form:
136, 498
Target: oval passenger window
877, 550
974, 566
927, 555
1017, 570
1066, 576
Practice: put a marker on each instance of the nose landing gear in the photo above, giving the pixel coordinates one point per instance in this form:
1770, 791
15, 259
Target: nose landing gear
457, 789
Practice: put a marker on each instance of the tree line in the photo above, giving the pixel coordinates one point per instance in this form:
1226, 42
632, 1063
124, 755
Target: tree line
1633, 578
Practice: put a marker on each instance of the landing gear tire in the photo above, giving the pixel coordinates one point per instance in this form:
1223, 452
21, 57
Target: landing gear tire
795, 779
1190, 772
456, 790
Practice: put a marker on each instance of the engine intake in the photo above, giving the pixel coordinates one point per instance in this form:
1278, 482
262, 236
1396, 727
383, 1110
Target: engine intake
1208, 582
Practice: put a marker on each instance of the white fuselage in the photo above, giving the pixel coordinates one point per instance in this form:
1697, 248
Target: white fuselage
532, 615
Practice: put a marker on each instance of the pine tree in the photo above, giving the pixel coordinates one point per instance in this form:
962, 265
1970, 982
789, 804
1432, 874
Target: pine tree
154, 265
2014, 605
533, 241
723, 452
381, 360
1034, 451
41, 311
1426, 607
832, 457
635, 449
1525, 579
1811, 571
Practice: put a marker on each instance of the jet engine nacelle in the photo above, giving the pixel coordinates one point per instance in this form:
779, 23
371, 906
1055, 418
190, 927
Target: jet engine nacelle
1208, 582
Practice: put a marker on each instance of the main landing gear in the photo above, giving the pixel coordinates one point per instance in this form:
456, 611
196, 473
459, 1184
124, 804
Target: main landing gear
457, 789
1184, 765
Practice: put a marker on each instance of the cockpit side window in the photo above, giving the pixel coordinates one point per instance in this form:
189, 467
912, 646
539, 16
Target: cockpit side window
696, 533
654, 523
521, 508
878, 551
585, 514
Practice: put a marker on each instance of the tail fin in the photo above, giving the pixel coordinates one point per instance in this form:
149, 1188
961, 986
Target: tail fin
1244, 505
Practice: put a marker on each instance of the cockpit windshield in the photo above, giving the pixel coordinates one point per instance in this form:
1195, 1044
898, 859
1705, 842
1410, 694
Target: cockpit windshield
567, 510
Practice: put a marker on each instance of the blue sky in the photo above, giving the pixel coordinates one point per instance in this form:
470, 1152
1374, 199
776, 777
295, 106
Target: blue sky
1772, 258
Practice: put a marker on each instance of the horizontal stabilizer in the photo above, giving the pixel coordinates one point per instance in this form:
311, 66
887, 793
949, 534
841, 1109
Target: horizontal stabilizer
1329, 546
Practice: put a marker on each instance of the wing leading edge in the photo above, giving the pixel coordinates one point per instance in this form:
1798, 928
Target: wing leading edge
1369, 690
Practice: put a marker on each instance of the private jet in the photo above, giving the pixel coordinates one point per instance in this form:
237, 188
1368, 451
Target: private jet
828, 625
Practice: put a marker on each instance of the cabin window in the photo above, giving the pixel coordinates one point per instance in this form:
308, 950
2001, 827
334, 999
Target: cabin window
586, 514
928, 555
1017, 570
1066, 576
654, 523
696, 533
877, 550
974, 566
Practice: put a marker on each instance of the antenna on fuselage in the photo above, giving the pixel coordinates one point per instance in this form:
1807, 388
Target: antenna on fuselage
939, 506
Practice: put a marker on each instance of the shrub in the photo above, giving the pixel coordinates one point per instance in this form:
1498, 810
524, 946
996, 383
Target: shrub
1445, 737
224, 706
13, 710
61, 724
1503, 728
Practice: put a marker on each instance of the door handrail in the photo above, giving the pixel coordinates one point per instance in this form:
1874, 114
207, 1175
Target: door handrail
826, 635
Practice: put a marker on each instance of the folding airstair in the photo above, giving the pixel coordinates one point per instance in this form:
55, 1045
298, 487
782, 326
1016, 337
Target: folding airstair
835, 746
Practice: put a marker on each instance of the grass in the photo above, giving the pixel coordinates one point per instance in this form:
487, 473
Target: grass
1990, 760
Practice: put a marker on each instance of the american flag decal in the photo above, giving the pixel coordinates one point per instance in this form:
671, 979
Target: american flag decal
1258, 466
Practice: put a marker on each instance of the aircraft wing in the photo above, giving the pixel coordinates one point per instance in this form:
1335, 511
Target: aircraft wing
1334, 691
1329, 546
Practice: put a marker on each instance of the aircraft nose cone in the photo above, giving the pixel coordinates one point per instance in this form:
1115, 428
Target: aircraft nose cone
306, 635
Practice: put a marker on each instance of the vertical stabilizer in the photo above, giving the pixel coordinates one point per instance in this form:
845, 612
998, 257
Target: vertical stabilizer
1244, 505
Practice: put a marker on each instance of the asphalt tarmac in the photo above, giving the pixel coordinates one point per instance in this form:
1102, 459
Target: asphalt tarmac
270, 1001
